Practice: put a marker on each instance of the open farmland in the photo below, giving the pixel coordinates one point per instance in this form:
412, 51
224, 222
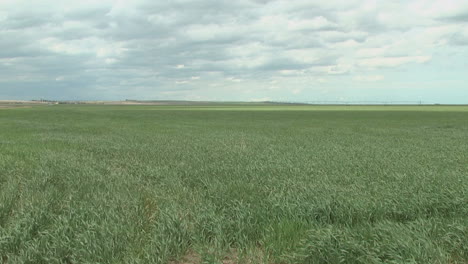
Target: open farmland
234, 184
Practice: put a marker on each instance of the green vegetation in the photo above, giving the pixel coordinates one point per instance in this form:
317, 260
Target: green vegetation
249, 184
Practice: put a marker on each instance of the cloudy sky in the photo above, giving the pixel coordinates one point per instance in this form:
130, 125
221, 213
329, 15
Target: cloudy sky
283, 50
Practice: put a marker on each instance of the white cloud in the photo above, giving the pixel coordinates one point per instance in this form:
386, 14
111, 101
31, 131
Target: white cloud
393, 61
370, 52
233, 79
369, 78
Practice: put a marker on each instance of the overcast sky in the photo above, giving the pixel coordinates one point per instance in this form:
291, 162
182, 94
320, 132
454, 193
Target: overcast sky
295, 50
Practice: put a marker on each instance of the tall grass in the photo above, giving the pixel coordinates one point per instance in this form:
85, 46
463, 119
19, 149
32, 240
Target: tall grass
125, 184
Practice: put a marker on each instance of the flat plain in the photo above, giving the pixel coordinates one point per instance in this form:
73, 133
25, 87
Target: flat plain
234, 184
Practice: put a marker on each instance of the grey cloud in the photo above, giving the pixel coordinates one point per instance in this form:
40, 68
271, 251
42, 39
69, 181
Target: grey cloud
34, 89
15, 48
23, 21
90, 14
182, 13
279, 64
370, 23
460, 18
339, 36
459, 39
282, 64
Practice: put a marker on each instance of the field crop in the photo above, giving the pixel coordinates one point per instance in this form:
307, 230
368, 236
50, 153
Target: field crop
234, 184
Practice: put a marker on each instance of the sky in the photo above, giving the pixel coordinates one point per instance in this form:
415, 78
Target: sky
242, 50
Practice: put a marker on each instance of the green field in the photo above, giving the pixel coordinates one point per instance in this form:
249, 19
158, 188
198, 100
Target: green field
234, 184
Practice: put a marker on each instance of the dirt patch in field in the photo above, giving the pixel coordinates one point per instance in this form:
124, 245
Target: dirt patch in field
189, 258
232, 258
